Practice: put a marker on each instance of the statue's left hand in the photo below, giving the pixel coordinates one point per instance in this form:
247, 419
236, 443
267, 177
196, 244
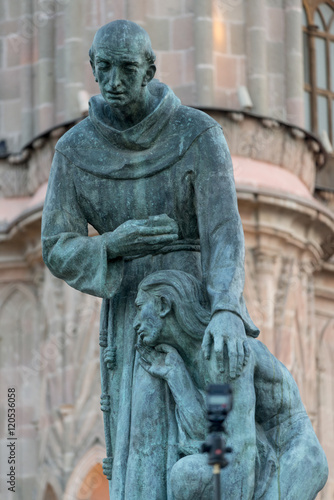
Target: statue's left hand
159, 361
226, 332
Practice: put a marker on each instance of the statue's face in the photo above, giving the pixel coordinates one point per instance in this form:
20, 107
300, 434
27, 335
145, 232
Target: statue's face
148, 323
121, 73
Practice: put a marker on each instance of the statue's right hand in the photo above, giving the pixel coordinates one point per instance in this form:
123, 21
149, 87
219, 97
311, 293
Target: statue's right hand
141, 237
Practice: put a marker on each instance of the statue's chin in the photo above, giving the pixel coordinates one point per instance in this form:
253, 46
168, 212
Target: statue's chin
149, 342
114, 100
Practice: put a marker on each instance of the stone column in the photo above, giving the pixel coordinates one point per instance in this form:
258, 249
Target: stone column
265, 263
204, 52
308, 334
135, 11
67, 419
45, 78
257, 55
25, 48
74, 57
294, 62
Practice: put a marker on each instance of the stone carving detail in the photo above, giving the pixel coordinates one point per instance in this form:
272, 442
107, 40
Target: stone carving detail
13, 180
39, 166
281, 292
19, 317
272, 142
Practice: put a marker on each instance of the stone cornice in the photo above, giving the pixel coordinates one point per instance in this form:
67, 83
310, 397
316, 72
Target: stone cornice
287, 224
248, 134
273, 141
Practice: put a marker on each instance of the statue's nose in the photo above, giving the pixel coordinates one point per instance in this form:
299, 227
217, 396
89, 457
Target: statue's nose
114, 78
136, 323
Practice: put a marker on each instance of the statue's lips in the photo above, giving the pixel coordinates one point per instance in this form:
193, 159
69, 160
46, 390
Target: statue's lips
114, 94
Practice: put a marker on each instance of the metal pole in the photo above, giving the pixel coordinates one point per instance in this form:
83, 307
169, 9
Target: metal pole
216, 479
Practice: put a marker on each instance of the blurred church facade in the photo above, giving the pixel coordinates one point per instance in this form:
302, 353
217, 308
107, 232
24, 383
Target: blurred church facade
264, 69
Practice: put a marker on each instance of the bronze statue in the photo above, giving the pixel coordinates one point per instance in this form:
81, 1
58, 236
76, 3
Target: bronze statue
155, 179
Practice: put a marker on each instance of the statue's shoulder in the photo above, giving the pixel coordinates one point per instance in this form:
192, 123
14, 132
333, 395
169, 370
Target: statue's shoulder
195, 119
76, 137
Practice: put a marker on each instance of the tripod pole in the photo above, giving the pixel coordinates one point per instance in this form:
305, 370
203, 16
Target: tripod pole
216, 479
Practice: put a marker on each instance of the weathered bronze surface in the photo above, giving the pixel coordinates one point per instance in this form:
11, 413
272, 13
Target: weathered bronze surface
155, 179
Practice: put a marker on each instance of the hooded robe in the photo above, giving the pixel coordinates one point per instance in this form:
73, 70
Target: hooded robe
174, 162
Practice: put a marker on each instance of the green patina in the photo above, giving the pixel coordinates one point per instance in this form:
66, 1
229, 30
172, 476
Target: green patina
155, 179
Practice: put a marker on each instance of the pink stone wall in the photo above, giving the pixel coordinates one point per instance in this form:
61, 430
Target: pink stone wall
203, 53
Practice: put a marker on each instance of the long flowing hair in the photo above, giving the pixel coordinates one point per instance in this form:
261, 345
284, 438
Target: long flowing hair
185, 295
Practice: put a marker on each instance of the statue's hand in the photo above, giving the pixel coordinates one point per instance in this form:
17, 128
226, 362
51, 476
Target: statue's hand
227, 332
159, 361
141, 237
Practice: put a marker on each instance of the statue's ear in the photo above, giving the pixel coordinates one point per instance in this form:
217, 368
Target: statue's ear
165, 307
92, 63
150, 72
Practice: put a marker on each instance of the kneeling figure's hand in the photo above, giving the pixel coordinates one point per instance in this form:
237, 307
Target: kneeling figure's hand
159, 361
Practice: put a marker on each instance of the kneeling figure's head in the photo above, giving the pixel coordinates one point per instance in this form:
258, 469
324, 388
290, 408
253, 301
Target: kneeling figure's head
170, 302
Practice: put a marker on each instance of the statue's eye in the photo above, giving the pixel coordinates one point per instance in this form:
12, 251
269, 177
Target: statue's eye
103, 65
130, 68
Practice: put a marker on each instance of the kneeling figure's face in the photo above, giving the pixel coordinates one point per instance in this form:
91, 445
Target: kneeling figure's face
148, 322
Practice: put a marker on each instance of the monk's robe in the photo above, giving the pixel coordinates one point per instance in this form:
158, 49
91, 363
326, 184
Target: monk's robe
174, 162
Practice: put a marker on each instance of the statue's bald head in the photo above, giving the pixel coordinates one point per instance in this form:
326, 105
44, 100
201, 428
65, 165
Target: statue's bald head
123, 35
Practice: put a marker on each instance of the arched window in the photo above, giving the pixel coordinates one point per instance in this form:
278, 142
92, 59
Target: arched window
87, 481
94, 486
318, 44
49, 493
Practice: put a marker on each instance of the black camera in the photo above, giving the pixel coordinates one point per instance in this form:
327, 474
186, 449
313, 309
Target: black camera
219, 402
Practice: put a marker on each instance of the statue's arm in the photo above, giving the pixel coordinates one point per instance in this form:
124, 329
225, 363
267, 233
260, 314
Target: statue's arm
68, 252
165, 362
277, 394
220, 228
222, 248
190, 404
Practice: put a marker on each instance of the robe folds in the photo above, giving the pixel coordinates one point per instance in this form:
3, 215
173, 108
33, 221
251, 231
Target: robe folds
174, 162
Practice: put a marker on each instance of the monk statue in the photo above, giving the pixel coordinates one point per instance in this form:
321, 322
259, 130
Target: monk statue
155, 180
290, 464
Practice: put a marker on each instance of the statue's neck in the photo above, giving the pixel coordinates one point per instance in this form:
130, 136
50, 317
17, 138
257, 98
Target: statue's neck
123, 118
187, 347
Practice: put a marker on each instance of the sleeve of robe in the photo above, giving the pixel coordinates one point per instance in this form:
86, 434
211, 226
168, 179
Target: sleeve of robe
220, 228
67, 250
